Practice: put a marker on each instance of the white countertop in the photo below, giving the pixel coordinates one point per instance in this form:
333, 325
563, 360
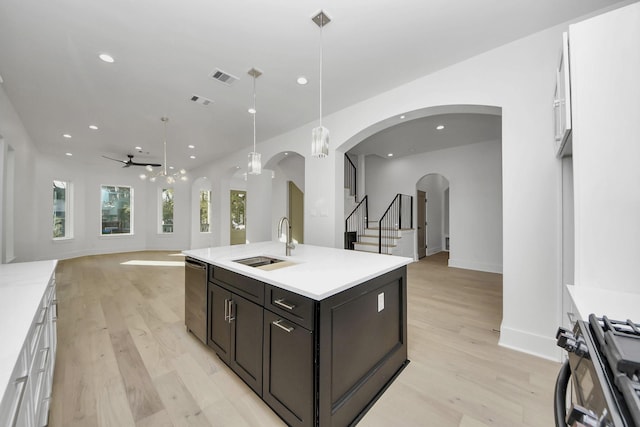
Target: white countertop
604, 302
317, 272
22, 286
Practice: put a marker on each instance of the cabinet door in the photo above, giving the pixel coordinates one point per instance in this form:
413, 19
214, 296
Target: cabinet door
246, 341
219, 327
288, 370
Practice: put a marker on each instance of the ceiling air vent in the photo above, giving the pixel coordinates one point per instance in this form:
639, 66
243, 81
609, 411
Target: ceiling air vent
201, 100
223, 77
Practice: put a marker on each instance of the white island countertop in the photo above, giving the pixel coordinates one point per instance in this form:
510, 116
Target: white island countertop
316, 272
22, 287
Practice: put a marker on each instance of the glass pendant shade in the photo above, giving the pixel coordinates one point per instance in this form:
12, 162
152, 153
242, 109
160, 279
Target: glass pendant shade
255, 163
320, 142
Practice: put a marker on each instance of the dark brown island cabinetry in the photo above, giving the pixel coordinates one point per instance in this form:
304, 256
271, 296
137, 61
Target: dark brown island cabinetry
235, 324
315, 363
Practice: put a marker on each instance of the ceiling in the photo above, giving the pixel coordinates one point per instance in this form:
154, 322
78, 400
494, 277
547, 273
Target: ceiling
436, 132
165, 52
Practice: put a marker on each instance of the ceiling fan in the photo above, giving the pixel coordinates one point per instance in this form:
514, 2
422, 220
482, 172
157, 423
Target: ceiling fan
130, 162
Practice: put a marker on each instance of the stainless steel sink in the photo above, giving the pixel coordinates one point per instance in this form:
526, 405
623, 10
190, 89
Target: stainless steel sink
258, 261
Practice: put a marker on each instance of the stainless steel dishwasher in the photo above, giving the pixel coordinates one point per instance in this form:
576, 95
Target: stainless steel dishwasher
195, 298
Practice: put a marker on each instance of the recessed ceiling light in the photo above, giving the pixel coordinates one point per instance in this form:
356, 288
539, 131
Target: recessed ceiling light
440, 127
192, 157
302, 80
402, 117
93, 127
171, 167
106, 57
390, 155
138, 148
191, 146
66, 135
286, 154
251, 110
68, 154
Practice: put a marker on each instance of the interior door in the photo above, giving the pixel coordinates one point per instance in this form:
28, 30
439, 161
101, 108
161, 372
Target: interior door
422, 224
296, 212
238, 204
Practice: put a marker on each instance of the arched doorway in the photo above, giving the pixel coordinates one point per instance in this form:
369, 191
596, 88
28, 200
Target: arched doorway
287, 192
432, 215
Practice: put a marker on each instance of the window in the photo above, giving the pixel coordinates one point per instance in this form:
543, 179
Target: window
117, 210
166, 222
205, 210
62, 210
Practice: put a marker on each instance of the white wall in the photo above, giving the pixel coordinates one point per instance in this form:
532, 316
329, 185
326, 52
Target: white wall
87, 240
605, 72
13, 134
259, 207
475, 182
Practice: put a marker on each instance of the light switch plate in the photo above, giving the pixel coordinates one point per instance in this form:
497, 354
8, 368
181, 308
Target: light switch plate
380, 302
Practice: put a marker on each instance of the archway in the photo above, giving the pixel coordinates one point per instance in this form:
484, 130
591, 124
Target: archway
432, 215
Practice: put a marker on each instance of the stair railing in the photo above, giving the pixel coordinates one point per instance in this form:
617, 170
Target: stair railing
398, 215
356, 223
350, 177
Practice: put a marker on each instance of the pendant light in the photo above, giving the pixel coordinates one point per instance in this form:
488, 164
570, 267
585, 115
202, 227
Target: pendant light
320, 134
169, 178
255, 162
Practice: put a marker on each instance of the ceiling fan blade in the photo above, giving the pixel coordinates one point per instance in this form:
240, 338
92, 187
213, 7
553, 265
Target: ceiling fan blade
155, 165
115, 160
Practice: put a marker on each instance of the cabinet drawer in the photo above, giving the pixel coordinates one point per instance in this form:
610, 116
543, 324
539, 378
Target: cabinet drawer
293, 307
251, 289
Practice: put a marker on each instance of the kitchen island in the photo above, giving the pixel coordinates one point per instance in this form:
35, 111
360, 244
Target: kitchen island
318, 335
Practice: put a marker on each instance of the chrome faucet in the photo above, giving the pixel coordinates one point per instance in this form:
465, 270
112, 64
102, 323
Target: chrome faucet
288, 244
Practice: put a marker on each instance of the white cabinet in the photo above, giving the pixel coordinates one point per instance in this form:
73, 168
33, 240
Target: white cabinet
562, 103
26, 398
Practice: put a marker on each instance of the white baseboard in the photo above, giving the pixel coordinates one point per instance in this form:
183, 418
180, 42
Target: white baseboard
526, 342
474, 265
435, 250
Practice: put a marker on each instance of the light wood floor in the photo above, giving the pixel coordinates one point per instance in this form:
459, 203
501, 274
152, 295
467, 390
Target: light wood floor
125, 359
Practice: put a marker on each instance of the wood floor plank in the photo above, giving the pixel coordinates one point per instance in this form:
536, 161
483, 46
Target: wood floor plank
181, 407
122, 340
141, 393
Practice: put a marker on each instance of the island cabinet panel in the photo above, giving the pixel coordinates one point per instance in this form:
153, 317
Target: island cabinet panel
235, 333
362, 346
289, 372
219, 327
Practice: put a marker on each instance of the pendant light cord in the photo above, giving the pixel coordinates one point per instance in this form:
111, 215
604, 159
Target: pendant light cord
254, 112
321, 27
165, 120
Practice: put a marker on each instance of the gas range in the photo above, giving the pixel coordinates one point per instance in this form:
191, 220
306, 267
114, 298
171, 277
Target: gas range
604, 366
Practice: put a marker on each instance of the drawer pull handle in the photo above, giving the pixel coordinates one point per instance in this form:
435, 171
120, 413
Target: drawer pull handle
279, 324
226, 310
54, 307
232, 315
282, 303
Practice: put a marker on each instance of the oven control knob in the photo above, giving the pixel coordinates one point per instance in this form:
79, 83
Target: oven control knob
582, 417
567, 340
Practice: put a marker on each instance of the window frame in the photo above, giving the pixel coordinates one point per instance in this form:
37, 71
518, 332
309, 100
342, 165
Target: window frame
209, 206
68, 211
131, 212
160, 222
